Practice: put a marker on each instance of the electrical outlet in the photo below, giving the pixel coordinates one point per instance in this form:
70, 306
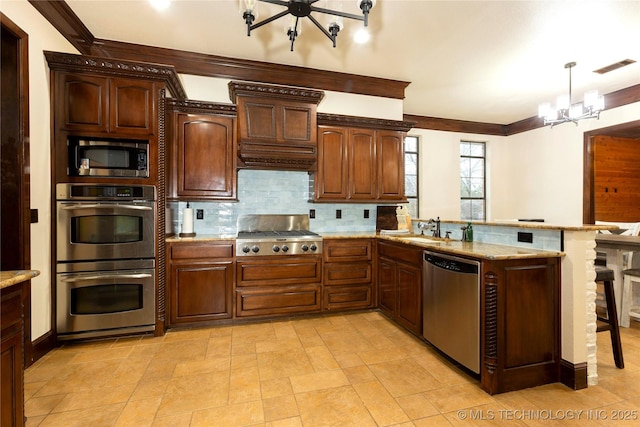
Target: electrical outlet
338, 213
366, 213
312, 213
525, 237
199, 213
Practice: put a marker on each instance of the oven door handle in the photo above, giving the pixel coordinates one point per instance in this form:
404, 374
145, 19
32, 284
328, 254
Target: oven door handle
99, 206
75, 278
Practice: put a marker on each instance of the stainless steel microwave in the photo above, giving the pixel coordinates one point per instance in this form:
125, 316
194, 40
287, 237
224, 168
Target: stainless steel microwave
108, 158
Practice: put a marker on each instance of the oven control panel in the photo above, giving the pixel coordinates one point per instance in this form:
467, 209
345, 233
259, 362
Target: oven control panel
284, 247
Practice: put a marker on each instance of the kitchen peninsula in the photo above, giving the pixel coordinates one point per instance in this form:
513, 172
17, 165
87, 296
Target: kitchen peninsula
496, 243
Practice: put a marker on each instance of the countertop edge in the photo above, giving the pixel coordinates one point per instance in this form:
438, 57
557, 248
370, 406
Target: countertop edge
12, 277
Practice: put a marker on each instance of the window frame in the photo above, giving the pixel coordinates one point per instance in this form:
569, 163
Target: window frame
415, 153
484, 180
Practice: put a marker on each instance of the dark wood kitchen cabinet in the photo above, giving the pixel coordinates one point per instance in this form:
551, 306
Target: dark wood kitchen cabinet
278, 285
12, 356
347, 274
201, 277
111, 105
520, 323
202, 151
400, 283
359, 164
276, 125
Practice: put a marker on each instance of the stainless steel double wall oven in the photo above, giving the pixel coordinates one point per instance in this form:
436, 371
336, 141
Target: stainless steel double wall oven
105, 253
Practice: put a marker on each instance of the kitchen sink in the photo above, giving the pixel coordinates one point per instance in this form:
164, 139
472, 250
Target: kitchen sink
423, 240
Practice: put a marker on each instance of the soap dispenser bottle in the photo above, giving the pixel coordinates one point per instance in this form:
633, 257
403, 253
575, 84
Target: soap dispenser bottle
469, 232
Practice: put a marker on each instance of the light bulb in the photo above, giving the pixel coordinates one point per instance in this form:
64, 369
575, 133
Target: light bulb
362, 36
591, 98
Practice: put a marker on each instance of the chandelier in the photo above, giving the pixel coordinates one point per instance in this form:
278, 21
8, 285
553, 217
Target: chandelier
302, 9
566, 111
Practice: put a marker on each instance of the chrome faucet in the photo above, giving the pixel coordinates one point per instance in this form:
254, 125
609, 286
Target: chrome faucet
436, 231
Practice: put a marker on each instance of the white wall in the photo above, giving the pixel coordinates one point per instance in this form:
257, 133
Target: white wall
535, 174
42, 36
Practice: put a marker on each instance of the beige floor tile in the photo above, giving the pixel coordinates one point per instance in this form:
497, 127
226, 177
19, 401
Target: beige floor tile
186, 335
105, 417
288, 422
278, 364
321, 358
244, 361
348, 360
150, 389
94, 398
434, 421
195, 392
241, 414
276, 388
382, 355
178, 420
452, 398
202, 367
219, 346
318, 381
278, 345
182, 350
381, 405
404, 377
35, 421
280, 408
42, 405
359, 374
417, 406
32, 388
78, 377
138, 413
333, 407
244, 385
102, 354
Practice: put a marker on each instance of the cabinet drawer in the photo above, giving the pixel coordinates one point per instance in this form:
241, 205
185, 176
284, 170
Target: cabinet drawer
282, 300
347, 297
347, 250
272, 272
347, 273
401, 252
191, 251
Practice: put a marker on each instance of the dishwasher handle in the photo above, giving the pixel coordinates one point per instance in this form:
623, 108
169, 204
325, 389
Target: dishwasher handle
458, 265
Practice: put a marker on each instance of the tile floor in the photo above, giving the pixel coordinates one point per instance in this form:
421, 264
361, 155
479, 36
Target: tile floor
341, 370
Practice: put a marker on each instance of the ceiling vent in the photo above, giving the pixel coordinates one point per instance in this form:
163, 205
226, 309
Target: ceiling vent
614, 66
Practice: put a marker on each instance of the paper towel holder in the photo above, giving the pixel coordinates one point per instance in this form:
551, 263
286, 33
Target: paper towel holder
185, 212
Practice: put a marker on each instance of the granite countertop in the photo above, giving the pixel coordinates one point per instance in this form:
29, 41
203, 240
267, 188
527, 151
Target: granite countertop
531, 224
11, 277
200, 238
473, 249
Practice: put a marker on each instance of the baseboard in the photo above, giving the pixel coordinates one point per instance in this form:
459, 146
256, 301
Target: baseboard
573, 375
41, 346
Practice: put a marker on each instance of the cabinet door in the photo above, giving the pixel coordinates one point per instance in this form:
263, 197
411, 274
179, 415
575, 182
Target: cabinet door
362, 170
390, 163
331, 181
387, 273
206, 166
409, 312
132, 107
82, 102
201, 291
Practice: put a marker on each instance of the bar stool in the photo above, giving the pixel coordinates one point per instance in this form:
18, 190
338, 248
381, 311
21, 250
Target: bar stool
629, 310
610, 323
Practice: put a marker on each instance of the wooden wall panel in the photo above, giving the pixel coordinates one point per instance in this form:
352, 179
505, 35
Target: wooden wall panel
616, 179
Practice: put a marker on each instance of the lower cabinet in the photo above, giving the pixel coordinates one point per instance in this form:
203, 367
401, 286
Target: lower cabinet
201, 277
12, 361
277, 285
400, 284
347, 274
520, 324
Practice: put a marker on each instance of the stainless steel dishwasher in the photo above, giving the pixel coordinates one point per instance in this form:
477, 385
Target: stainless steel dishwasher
451, 307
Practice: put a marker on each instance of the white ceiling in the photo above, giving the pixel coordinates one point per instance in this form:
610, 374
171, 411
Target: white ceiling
485, 61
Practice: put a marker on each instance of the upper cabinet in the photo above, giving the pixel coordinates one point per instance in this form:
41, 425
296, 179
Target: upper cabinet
201, 154
276, 125
107, 100
360, 164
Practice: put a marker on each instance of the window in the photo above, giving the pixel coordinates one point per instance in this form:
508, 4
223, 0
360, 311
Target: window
411, 173
472, 181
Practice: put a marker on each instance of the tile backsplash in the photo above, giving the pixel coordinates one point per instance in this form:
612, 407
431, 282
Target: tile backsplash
275, 192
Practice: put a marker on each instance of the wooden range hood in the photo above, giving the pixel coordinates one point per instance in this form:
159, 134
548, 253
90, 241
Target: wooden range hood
277, 126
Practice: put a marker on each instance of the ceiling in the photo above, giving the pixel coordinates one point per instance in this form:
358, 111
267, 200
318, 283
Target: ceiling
483, 61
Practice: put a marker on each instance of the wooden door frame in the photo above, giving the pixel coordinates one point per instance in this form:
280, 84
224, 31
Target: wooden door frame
624, 130
24, 245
